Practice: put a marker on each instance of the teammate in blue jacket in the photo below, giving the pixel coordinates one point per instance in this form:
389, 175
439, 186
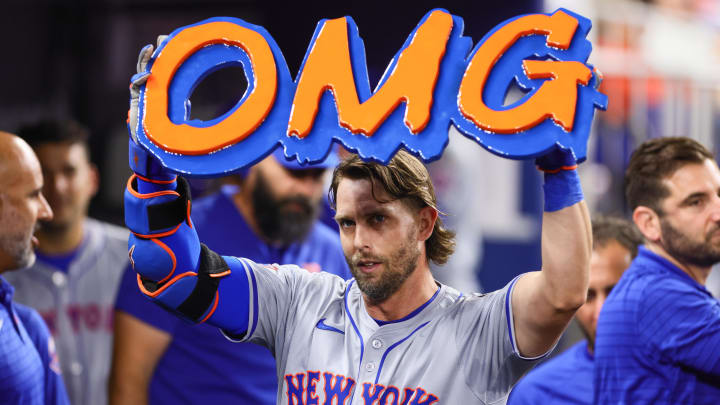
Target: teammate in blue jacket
79, 261
568, 378
29, 372
658, 336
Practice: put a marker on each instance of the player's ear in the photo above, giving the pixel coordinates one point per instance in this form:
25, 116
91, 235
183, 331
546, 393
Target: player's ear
94, 179
426, 222
648, 222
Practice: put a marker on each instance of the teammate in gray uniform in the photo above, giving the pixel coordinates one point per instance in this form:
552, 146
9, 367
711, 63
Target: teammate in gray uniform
391, 335
80, 260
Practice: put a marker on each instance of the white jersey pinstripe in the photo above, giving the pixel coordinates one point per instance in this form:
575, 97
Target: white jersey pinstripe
78, 306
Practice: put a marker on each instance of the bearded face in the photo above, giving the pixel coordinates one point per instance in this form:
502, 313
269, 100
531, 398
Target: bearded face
16, 239
394, 269
283, 220
702, 250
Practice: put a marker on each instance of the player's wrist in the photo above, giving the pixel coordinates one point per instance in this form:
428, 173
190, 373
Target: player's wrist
562, 189
150, 174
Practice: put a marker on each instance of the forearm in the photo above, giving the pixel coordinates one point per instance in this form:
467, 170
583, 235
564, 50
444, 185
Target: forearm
566, 249
137, 348
127, 393
174, 269
545, 301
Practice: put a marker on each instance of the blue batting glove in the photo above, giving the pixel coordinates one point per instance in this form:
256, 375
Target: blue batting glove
562, 184
556, 160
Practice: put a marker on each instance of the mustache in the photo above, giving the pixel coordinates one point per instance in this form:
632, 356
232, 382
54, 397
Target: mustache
359, 257
715, 229
302, 201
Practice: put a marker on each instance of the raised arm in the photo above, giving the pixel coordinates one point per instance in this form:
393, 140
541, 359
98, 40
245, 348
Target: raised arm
174, 268
543, 302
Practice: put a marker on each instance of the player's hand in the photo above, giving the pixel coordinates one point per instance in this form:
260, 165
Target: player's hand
556, 160
137, 81
141, 161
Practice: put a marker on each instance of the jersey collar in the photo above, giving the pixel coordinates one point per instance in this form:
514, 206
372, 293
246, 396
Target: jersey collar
649, 259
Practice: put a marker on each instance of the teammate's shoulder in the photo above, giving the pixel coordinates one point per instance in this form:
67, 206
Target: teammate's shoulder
107, 229
550, 380
649, 285
206, 200
31, 319
321, 233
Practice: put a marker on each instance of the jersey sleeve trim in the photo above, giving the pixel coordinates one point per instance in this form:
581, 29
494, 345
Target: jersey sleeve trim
253, 310
511, 325
253, 288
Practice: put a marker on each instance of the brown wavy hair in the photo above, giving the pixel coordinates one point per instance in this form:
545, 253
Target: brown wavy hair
404, 178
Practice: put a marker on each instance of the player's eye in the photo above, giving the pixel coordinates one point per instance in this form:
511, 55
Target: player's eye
345, 223
590, 296
69, 171
378, 219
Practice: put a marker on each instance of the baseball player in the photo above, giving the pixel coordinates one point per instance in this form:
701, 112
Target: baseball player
391, 335
268, 214
80, 260
29, 373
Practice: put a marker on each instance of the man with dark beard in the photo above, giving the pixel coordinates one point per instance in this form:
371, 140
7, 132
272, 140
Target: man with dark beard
568, 378
659, 332
270, 214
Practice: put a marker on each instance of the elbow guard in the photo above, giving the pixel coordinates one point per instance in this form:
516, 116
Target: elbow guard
174, 269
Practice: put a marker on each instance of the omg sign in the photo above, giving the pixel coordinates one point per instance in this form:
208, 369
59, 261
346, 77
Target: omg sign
437, 79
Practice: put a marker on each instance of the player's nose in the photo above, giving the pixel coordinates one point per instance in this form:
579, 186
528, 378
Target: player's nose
45, 212
599, 301
715, 213
362, 238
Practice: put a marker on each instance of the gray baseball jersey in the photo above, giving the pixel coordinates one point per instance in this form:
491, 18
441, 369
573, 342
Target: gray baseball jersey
78, 308
455, 349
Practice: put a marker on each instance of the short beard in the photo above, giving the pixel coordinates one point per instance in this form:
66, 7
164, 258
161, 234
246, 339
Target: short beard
52, 228
685, 250
398, 268
18, 247
277, 223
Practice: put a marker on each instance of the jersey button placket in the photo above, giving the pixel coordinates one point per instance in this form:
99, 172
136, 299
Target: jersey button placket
370, 367
377, 344
76, 368
59, 279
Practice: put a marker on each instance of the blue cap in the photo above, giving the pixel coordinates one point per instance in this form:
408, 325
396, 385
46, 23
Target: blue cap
330, 161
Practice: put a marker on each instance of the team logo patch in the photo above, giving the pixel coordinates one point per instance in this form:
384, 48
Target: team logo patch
312, 267
52, 354
130, 255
